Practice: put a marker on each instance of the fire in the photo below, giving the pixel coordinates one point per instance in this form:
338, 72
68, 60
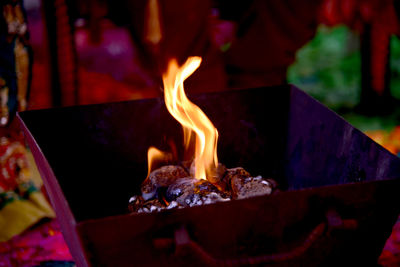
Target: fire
196, 125
155, 157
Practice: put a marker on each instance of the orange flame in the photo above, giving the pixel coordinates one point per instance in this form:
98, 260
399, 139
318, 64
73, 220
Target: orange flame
193, 120
154, 158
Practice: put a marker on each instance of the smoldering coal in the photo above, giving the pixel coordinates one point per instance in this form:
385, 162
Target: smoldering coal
172, 187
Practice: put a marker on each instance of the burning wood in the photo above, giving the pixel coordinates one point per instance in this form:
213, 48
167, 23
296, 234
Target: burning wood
170, 188
161, 177
202, 180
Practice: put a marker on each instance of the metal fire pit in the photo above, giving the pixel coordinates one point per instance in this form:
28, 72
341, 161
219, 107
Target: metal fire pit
339, 199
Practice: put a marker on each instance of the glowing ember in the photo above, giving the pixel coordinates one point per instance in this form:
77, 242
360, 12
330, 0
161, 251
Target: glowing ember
196, 125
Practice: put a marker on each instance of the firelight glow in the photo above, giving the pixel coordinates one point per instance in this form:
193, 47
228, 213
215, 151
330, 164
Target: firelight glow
196, 125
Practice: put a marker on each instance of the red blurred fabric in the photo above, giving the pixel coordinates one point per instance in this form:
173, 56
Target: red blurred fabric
43, 243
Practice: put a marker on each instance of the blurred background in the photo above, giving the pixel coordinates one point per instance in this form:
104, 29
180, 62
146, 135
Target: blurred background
345, 53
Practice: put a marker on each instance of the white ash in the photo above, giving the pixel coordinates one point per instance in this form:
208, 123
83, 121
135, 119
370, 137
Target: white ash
193, 192
153, 208
172, 205
197, 200
132, 199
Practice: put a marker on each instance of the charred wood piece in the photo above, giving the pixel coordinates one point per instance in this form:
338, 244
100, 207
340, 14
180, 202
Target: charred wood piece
162, 177
245, 187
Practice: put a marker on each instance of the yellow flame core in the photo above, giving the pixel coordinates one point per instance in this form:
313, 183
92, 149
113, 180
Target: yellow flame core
191, 117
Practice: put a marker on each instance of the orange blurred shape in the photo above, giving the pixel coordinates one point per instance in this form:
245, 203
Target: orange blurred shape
378, 136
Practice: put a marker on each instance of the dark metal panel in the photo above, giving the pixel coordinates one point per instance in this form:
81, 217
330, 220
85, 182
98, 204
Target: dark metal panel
323, 149
93, 158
